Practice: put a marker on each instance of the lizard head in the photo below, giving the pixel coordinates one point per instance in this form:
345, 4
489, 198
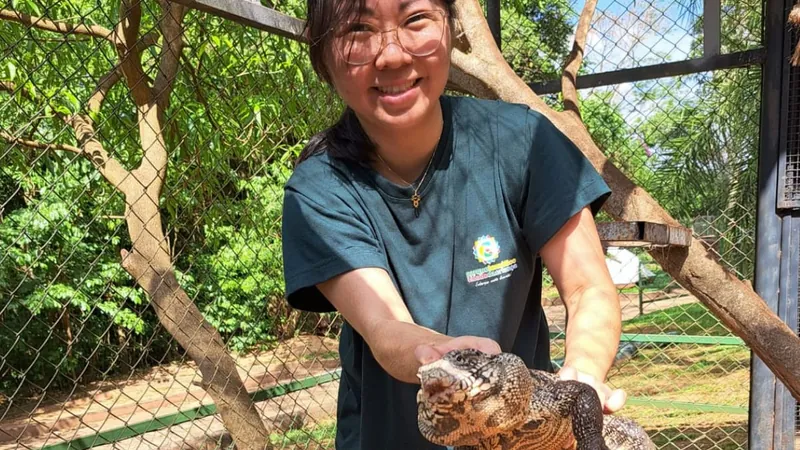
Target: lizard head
468, 395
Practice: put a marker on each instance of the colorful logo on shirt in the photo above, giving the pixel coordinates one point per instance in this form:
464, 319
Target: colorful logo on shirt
486, 249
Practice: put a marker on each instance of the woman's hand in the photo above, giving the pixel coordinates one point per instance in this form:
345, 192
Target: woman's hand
612, 399
428, 353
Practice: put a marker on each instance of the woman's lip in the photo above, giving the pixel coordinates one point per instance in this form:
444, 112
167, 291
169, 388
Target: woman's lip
400, 99
411, 84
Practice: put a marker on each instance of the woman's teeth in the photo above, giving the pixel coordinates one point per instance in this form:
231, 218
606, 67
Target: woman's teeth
396, 89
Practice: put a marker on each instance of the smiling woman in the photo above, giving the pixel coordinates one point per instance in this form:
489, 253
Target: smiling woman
423, 219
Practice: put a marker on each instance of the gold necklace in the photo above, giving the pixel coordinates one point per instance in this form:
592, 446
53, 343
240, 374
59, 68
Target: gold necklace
415, 198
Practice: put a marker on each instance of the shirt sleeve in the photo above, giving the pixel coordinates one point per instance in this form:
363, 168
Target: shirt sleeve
560, 182
323, 236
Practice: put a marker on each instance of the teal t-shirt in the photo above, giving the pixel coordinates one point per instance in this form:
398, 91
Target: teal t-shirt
502, 182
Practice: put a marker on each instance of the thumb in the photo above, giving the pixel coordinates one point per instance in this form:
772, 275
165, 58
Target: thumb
426, 354
615, 401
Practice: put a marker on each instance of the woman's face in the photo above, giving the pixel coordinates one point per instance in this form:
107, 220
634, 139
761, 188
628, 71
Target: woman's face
395, 89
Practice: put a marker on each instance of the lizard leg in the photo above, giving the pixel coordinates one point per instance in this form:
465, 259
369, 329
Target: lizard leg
586, 413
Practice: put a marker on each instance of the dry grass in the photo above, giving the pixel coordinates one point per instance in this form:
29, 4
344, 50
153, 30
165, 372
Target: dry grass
690, 376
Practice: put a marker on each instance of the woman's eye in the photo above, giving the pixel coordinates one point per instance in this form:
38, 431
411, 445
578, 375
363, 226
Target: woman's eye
417, 18
359, 28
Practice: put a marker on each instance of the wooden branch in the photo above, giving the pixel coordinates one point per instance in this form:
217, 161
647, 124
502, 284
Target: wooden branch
41, 23
152, 170
171, 49
197, 90
733, 301
252, 14
110, 79
575, 59
11, 88
90, 148
36, 145
107, 82
126, 33
8, 86
150, 260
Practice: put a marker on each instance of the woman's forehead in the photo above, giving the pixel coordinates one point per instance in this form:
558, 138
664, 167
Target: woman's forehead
382, 8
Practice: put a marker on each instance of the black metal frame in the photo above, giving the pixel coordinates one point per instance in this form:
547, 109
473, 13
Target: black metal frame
777, 276
777, 242
673, 69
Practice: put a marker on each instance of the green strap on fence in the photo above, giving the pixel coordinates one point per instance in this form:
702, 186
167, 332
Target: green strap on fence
671, 339
166, 421
704, 407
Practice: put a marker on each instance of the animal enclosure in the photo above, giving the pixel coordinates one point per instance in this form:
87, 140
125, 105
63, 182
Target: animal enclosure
152, 126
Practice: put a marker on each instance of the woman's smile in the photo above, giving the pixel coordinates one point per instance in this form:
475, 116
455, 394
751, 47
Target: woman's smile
398, 95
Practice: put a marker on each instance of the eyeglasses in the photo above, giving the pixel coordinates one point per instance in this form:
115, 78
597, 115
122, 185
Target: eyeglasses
419, 35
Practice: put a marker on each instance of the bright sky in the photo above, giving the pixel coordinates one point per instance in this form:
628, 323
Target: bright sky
635, 33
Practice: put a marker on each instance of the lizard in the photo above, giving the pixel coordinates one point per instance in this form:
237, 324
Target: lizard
477, 401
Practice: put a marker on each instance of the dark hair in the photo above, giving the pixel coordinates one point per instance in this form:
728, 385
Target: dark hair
345, 139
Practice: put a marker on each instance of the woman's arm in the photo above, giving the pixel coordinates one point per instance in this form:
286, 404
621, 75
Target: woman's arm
368, 300
576, 261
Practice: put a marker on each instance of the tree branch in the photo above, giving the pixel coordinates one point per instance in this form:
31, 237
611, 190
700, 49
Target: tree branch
178, 314
37, 145
126, 32
103, 87
197, 89
108, 81
57, 26
11, 88
575, 59
91, 149
171, 28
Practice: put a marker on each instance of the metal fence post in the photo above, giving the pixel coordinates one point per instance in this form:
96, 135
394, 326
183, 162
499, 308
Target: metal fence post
765, 429
493, 17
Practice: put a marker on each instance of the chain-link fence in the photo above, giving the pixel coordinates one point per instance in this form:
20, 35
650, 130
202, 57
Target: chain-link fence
88, 359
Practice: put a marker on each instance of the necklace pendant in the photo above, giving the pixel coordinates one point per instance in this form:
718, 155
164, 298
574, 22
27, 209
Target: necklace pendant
415, 199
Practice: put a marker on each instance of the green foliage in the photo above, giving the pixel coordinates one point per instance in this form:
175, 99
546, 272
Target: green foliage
243, 105
534, 37
323, 433
240, 271
59, 270
617, 139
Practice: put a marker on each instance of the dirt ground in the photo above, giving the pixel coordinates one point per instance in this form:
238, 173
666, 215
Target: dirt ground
169, 389
556, 313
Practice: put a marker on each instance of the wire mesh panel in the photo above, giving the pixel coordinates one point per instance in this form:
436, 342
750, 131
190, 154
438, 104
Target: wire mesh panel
692, 142
84, 354
789, 176
687, 376
98, 97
